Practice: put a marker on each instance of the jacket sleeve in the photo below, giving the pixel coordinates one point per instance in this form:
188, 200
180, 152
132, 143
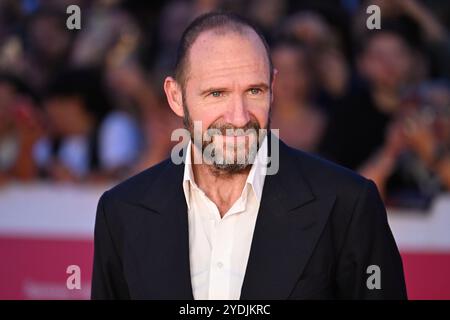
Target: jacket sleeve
369, 264
108, 281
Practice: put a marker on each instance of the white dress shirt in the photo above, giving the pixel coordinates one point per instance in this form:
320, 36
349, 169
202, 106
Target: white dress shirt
219, 247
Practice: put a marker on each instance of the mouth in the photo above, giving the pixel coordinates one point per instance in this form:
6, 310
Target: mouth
236, 140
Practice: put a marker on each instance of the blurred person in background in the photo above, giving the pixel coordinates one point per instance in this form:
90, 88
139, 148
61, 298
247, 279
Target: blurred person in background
327, 58
425, 27
130, 82
87, 140
135, 44
267, 15
47, 46
110, 36
357, 128
114, 39
333, 76
21, 125
300, 122
370, 134
413, 166
308, 27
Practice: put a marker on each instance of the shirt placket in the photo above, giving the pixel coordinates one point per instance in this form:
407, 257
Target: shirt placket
219, 281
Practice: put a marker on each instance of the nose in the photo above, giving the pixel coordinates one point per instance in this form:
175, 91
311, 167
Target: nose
237, 113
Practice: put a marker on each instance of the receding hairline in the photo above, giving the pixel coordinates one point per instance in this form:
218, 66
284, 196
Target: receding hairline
246, 33
241, 28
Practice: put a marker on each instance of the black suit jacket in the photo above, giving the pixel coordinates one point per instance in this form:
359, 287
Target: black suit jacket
319, 228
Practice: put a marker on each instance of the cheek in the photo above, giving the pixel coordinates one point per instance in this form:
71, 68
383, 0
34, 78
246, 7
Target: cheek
206, 117
210, 114
260, 112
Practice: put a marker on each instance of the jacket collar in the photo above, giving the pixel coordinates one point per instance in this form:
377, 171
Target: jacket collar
289, 223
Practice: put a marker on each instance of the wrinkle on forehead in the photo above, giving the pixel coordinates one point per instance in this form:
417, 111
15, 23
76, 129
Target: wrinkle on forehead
226, 71
216, 55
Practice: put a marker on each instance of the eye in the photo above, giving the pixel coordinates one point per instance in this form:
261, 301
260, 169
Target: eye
216, 94
255, 91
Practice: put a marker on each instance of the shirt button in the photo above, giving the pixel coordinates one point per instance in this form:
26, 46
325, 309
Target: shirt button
219, 265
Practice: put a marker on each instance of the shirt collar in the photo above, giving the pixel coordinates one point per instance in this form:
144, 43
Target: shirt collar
255, 178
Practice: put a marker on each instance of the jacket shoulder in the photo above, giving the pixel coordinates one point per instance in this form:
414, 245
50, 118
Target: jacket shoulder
326, 176
131, 188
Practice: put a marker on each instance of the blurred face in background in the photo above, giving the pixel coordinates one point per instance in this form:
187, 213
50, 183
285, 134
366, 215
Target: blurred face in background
332, 72
309, 28
227, 86
49, 37
387, 61
67, 116
293, 79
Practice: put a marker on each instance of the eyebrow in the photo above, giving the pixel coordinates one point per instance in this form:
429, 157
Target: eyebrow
212, 89
260, 85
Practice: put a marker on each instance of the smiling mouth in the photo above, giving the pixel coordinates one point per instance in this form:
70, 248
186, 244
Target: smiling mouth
238, 137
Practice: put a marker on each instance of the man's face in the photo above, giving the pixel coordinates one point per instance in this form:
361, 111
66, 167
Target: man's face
227, 87
387, 61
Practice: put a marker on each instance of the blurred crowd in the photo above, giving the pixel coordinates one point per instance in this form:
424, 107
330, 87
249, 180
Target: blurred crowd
88, 106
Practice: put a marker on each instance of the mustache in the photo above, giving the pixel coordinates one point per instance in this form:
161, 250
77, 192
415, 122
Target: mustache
227, 128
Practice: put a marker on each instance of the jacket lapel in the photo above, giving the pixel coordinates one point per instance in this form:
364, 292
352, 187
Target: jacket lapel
165, 198
289, 223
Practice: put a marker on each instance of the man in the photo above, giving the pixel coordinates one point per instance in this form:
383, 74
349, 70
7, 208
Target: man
227, 229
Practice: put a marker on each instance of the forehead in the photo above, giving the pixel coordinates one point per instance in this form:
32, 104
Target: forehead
228, 55
387, 40
286, 53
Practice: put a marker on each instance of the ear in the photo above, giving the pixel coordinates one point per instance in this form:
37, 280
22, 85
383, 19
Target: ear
275, 73
174, 96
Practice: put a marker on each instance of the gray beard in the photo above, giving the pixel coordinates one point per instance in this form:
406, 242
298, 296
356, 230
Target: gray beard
222, 167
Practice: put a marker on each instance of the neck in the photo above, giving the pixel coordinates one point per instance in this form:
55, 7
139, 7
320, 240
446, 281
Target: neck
221, 187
